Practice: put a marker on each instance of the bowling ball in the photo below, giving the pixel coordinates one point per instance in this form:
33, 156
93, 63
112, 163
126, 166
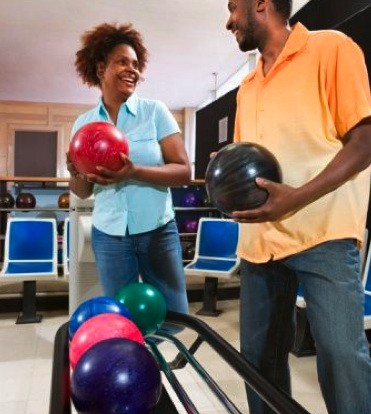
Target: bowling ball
6, 200
190, 225
230, 176
190, 200
93, 307
189, 251
25, 200
116, 376
97, 144
64, 200
205, 201
101, 327
146, 305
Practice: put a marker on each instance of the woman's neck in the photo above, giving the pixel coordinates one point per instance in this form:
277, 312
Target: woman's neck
113, 106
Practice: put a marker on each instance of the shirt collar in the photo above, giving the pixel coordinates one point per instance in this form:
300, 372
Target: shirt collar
131, 106
295, 43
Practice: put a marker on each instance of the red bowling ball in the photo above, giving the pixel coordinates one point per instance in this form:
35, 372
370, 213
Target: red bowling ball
101, 327
97, 144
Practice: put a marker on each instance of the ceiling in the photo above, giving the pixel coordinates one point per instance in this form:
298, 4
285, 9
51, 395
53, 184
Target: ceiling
186, 39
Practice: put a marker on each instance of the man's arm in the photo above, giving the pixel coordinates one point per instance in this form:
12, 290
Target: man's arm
354, 157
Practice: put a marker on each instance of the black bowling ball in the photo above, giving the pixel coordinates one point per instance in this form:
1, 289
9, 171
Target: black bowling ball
189, 251
230, 176
6, 200
205, 201
25, 200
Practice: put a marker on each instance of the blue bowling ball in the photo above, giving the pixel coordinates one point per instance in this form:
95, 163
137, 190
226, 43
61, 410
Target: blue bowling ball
93, 307
116, 376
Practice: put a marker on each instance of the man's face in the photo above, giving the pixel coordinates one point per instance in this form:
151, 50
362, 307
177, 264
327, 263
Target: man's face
243, 24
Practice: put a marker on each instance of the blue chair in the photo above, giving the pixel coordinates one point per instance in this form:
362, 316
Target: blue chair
66, 248
30, 251
215, 257
30, 254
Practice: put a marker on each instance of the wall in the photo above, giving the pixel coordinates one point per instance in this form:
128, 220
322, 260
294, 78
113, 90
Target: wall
207, 129
34, 116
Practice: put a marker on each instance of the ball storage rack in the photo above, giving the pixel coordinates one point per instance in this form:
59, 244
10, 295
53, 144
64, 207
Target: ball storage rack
280, 402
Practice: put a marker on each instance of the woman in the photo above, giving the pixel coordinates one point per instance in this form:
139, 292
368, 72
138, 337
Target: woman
134, 232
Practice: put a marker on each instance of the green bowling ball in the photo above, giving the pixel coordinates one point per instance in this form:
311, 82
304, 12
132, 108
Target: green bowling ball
146, 305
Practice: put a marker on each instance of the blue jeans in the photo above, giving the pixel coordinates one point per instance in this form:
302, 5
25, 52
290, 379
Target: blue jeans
330, 276
155, 255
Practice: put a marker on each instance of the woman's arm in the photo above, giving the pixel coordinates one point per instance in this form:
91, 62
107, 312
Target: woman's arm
175, 171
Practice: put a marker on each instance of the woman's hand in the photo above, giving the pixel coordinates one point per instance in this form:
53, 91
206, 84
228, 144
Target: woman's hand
70, 167
108, 177
78, 182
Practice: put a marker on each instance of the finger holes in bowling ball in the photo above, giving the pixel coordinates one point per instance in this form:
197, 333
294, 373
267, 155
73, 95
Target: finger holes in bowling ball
230, 176
25, 200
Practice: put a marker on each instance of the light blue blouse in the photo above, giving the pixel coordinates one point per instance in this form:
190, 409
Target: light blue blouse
134, 205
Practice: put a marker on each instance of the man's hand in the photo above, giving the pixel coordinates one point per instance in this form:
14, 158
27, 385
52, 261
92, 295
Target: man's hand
281, 201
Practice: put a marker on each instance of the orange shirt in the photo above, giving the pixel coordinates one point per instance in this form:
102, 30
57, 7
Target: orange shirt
316, 91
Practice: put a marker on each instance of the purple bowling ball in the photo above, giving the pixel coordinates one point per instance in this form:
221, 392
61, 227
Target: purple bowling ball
116, 376
190, 200
190, 225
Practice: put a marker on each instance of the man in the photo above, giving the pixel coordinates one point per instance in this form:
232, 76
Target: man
308, 101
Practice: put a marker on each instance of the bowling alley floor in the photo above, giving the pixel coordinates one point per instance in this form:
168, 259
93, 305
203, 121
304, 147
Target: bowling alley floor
26, 364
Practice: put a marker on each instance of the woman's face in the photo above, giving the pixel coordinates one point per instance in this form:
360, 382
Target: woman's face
119, 76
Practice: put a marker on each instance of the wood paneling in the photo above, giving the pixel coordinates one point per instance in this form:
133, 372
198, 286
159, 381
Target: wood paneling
34, 116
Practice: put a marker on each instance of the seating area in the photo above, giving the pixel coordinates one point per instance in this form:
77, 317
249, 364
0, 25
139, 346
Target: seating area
30, 257
30, 249
215, 258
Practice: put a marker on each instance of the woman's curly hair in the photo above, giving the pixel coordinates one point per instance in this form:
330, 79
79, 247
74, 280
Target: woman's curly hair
98, 42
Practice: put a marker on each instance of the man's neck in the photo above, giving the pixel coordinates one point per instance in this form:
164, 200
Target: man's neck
273, 46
